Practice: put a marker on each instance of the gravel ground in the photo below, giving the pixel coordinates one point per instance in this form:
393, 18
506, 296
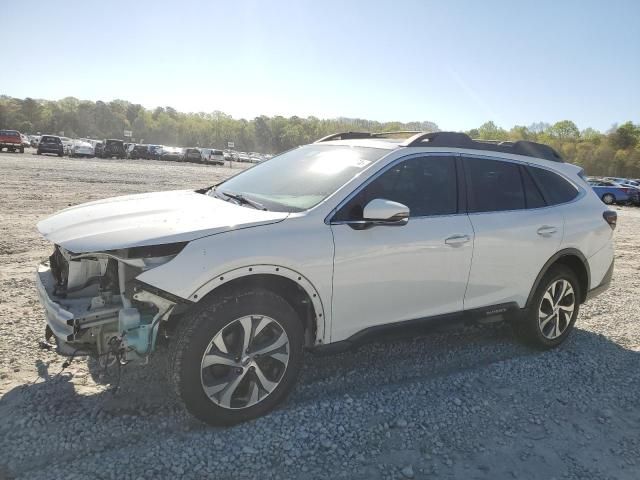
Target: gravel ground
467, 403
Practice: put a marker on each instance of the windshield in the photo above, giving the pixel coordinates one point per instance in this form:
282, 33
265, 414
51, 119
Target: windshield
301, 178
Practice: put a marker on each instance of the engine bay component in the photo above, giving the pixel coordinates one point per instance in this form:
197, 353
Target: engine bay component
92, 302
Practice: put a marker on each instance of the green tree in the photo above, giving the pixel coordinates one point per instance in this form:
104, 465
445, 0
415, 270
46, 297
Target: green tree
625, 136
564, 130
615, 152
490, 131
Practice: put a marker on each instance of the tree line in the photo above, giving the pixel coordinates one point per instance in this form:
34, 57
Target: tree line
614, 152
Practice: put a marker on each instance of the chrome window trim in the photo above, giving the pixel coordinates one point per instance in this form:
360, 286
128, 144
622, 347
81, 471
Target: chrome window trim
418, 217
581, 191
382, 170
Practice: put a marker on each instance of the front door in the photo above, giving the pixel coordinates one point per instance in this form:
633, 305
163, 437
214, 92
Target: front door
388, 274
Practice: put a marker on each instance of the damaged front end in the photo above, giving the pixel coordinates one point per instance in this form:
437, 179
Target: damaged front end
94, 304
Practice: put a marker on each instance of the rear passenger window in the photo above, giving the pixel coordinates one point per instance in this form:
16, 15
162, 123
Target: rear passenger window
554, 188
493, 186
532, 195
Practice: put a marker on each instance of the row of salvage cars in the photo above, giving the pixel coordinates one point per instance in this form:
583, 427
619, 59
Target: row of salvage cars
115, 148
616, 190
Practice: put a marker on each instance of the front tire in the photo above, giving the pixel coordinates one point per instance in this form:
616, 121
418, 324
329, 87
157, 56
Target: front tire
237, 358
553, 310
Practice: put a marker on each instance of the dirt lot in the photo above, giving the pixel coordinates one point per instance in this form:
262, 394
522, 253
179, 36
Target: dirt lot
468, 403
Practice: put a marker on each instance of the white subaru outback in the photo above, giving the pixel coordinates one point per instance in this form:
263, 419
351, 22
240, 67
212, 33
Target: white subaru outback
321, 248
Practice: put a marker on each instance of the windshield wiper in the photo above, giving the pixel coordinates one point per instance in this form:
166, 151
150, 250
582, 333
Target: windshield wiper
244, 200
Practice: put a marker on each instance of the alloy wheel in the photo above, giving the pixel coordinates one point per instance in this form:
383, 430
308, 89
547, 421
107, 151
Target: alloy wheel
556, 309
245, 362
608, 198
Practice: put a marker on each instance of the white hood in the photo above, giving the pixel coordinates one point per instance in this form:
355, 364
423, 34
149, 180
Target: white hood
148, 219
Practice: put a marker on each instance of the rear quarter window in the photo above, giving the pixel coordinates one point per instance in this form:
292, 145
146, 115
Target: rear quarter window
555, 189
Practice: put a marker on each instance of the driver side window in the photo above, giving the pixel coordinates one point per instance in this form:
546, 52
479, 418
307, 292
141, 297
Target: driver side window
427, 185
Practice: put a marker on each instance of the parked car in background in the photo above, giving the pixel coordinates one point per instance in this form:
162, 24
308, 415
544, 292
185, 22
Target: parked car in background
192, 155
623, 181
67, 144
211, 155
635, 187
172, 154
82, 149
34, 140
611, 192
154, 152
50, 144
99, 148
25, 141
11, 140
138, 151
113, 148
243, 157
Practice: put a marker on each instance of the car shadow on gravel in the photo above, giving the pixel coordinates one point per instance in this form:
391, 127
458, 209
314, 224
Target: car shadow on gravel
143, 390
83, 394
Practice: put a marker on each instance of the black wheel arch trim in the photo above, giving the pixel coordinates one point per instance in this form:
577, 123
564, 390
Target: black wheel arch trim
566, 252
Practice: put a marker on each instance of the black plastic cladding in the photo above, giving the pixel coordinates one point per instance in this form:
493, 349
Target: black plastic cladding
458, 140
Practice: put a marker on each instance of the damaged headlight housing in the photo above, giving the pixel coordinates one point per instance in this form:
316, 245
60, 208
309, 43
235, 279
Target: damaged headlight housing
147, 257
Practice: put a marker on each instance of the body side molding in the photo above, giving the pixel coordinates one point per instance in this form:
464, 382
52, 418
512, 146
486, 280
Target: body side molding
488, 314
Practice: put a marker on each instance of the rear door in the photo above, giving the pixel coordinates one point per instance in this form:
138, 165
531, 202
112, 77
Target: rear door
515, 231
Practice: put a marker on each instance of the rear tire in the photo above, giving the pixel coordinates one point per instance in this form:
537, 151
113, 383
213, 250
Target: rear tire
608, 199
550, 317
209, 353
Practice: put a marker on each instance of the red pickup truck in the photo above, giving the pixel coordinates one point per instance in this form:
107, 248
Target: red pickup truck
11, 140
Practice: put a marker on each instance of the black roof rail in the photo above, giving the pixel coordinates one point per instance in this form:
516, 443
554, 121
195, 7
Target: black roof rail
462, 140
360, 135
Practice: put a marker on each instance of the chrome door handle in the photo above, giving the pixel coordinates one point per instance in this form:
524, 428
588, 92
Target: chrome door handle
547, 230
457, 240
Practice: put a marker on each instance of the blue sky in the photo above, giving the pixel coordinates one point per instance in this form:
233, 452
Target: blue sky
457, 63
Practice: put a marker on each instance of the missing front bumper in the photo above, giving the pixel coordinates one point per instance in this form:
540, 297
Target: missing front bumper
59, 319
83, 324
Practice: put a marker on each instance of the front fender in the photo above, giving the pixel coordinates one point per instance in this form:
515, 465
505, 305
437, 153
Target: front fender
300, 250
277, 270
